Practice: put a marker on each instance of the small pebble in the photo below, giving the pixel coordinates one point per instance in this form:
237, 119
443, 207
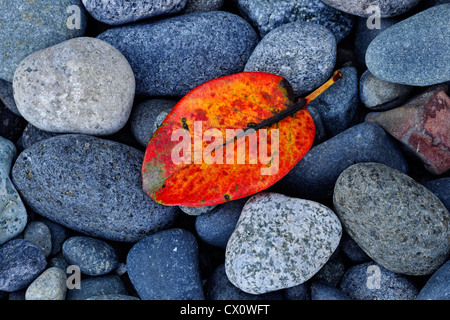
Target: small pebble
438, 285
362, 8
97, 286
38, 233
50, 285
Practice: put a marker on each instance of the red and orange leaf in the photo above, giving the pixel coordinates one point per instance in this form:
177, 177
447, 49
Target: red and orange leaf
221, 168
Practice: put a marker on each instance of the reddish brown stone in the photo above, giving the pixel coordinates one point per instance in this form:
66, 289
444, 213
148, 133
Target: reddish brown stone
423, 126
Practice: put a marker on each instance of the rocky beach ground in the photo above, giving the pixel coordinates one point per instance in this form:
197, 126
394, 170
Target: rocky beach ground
363, 216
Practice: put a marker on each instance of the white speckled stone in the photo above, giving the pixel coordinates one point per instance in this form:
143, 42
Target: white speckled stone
82, 85
280, 242
50, 285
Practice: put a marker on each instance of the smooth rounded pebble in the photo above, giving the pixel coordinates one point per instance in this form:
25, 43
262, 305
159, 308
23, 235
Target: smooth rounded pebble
7, 96
29, 26
38, 233
116, 12
303, 53
314, 176
438, 286
173, 62
94, 257
379, 95
413, 51
370, 281
321, 290
440, 188
50, 285
97, 286
82, 85
267, 15
367, 8
13, 214
280, 242
21, 261
399, 223
90, 185
147, 116
165, 266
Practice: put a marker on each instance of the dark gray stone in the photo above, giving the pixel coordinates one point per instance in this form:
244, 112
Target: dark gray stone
97, 286
321, 135
218, 287
7, 97
89, 185
94, 257
301, 52
352, 250
38, 233
438, 286
11, 125
370, 281
31, 135
413, 51
388, 8
315, 175
147, 116
164, 266
399, 223
116, 12
184, 51
440, 187
338, 105
266, 15
202, 5
21, 261
299, 292
34, 25
321, 290
215, 227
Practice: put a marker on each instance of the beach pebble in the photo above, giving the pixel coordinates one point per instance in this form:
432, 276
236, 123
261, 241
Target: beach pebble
314, 176
38, 233
21, 261
7, 97
399, 223
94, 257
50, 285
438, 285
82, 85
303, 53
13, 214
173, 62
322, 290
364, 8
280, 242
440, 188
118, 12
413, 51
34, 25
165, 266
370, 281
422, 125
202, 5
267, 15
97, 286
90, 185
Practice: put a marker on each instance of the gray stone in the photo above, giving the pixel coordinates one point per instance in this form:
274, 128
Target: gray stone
116, 12
82, 85
29, 26
370, 281
303, 53
147, 116
50, 285
321, 135
413, 51
196, 211
21, 261
185, 51
58, 234
31, 135
13, 215
202, 5
97, 286
438, 285
440, 188
314, 176
94, 257
280, 242
266, 15
321, 290
380, 95
89, 185
399, 223
38, 233
338, 105
7, 97
362, 8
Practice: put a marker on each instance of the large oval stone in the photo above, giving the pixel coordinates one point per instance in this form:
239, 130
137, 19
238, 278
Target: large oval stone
280, 242
399, 223
172, 56
90, 185
82, 85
